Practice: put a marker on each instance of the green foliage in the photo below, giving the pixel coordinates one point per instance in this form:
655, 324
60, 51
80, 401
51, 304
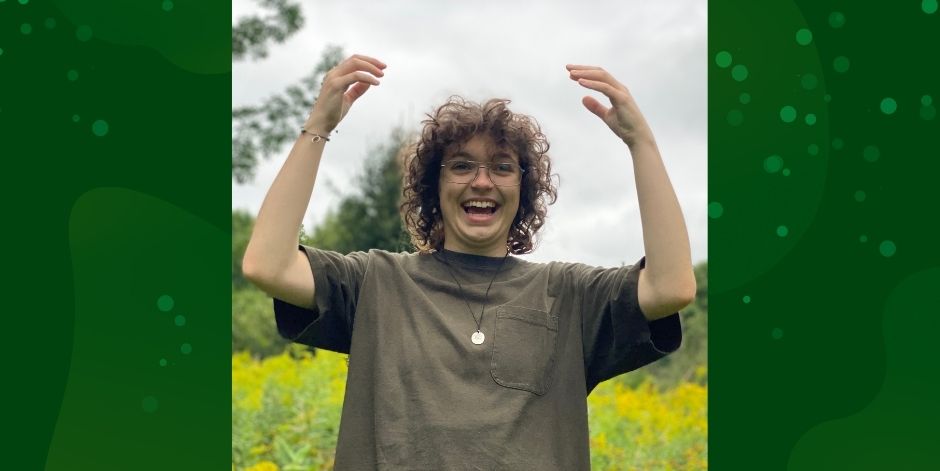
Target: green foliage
242, 223
264, 129
251, 35
368, 217
253, 326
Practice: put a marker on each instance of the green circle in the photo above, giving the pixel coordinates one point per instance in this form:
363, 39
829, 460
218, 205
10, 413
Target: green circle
179, 320
813, 149
735, 117
827, 98
837, 144
72, 75
1, 51
810, 119
26, 28
739, 72
167, 5
186, 348
746, 299
149, 404
165, 303
83, 33
871, 153
926, 100
744, 98
887, 248
723, 59
841, 64
715, 210
76, 118
809, 81
24, 2
100, 128
786, 172
804, 37
50, 23
782, 231
773, 163
863, 238
777, 333
787, 114
836, 19
859, 196
928, 112
888, 105
929, 6
163, 362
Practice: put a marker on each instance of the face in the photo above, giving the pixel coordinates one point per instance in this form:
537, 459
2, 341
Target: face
477, 232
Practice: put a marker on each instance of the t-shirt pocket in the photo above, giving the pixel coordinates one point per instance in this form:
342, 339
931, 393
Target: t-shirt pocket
524, 348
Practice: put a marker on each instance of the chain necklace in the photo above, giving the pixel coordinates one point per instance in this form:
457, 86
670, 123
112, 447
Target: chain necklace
477, 338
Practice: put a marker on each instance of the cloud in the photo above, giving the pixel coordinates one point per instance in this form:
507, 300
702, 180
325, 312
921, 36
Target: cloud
515, 50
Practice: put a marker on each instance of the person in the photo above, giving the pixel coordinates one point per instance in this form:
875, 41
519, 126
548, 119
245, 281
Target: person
461, 355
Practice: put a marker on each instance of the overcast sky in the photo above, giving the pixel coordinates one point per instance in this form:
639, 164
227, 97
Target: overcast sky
515, 50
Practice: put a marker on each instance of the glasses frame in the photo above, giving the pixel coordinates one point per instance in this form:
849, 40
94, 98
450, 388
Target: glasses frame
489, 171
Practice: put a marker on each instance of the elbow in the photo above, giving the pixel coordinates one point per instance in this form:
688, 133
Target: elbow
250, 269
680, 294
685, 294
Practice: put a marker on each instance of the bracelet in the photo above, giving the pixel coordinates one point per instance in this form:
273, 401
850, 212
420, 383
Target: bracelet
316, 137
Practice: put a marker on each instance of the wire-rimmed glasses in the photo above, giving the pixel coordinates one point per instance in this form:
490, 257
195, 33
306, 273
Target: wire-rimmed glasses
501, 173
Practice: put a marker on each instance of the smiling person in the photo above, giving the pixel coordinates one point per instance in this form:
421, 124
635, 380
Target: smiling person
461, 355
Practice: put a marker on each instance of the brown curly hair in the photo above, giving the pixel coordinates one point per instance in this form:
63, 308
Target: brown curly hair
456, 122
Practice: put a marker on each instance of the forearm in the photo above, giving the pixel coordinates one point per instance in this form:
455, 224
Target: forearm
276, 232
665, 237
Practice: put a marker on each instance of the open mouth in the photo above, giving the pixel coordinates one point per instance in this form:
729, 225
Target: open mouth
480, 208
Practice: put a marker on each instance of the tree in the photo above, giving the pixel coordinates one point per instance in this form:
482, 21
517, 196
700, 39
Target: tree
368, 217
262, 130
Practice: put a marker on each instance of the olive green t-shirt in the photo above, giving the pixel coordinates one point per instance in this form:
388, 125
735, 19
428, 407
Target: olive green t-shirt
420, 395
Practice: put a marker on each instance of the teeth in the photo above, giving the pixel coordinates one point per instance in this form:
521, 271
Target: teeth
480, 204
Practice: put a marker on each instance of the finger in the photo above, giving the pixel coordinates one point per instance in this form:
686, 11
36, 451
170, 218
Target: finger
357, 90
345, 81
353, 64
581, 67
373, 60
599, 75
595, 107
616, 96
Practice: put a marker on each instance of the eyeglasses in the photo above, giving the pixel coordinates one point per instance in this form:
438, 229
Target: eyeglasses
500, 173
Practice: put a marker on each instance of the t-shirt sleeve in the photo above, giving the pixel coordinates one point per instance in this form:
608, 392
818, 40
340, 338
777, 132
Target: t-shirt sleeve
329, 324
616, 336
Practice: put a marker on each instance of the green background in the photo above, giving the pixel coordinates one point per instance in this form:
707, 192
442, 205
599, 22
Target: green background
822, 234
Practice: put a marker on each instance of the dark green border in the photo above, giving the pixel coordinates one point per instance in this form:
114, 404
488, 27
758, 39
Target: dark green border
820, 353
113, 118
822, 234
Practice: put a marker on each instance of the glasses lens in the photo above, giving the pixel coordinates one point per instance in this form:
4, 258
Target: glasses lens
501, 173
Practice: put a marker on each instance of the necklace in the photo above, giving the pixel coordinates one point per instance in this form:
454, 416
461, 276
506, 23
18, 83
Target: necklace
477, 338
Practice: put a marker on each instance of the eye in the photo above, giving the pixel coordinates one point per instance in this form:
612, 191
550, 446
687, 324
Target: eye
505, 167
460, 166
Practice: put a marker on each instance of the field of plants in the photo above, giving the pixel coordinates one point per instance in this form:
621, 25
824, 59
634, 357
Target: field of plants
286, 411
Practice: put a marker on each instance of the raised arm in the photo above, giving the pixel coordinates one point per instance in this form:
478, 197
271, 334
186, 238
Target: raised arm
667, 283
272, 261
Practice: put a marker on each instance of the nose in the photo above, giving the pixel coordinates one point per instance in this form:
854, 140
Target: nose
482, 178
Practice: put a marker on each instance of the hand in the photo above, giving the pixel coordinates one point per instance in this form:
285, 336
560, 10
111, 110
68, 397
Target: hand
624, 117
336, 95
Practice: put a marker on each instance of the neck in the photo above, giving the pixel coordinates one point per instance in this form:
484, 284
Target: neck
495, 252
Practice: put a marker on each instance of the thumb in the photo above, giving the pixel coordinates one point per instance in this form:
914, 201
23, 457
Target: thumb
594, 106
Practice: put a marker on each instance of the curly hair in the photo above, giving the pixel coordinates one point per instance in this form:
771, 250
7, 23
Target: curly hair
454, 123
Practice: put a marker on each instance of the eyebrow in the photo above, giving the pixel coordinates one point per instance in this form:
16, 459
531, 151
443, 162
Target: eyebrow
498, 155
